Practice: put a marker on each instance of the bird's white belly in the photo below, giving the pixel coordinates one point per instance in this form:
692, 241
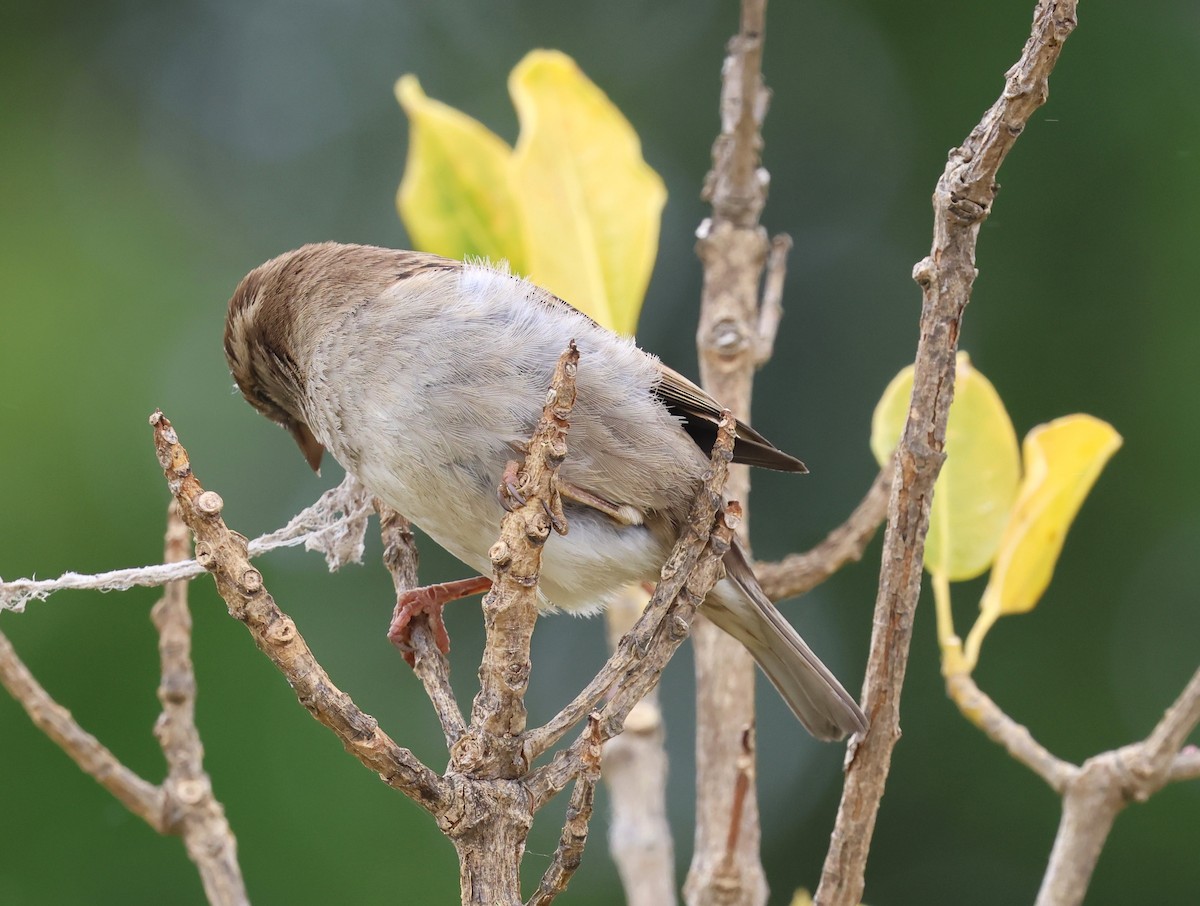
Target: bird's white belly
581, 571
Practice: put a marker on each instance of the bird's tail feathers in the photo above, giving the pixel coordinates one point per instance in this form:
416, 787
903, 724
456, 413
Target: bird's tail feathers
813, 693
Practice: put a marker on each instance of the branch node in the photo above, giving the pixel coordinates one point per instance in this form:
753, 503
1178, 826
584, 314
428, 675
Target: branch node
251, 581
283, 631
205, 555
500, 555
209, 504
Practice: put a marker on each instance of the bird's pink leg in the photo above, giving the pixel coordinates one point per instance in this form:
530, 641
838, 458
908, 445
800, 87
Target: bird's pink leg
429, 600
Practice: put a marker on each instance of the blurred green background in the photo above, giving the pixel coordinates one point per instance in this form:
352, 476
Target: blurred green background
153, 153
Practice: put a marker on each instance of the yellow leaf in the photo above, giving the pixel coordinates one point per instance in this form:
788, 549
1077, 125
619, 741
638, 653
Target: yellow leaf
456, 196
978, 482
1063, 459
591, 206
890, 412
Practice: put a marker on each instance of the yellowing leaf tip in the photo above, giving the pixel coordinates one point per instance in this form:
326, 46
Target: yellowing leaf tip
408, 91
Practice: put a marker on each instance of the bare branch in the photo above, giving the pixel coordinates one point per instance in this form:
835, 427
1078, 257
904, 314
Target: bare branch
962, 200
797, 574
1186, 765
770, 313
1090, 805
633, 669
635, 772
664, 638
575, 829
1095, 793
491, 813
732, 340
141, 797
184, 805
492, 744
400, 556
634, 651
1105, 785
1164, 742
224, 554
978, 708
192, 811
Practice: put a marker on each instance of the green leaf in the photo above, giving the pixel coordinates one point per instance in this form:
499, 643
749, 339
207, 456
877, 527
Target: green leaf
456, 196
978, 482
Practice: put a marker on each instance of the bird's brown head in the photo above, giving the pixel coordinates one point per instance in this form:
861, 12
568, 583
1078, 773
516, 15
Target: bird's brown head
283, 309
261, 336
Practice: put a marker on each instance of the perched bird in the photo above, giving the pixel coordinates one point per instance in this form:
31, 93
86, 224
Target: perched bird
424, 376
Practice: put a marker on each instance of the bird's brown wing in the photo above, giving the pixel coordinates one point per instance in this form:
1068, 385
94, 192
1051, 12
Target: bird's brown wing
700, 414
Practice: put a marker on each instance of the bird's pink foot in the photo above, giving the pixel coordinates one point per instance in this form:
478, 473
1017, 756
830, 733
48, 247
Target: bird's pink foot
429, 600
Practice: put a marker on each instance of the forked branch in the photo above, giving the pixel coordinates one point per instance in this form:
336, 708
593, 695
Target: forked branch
962, 200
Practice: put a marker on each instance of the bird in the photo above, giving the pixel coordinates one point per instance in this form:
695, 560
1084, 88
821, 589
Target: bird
424, 376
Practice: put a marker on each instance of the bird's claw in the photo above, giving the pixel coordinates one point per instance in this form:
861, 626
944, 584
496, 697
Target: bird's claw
510, 487
428, 602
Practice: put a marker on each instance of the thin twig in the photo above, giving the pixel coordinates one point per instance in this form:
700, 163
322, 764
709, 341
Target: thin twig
634, 668
547, 781
575, 828
1094, 793
192, 810
1186, 765
1103, 787
1170, 733
798, 574
979, 708
635, 773
184, 804
141, 797
771, 311
962, 200
223, 553
492, 744
401, 558
635, 647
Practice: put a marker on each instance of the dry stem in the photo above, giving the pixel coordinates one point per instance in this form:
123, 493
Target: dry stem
141, 797
634, 667
575, 829
635, 772
191, 808
735, 336
492, 745
184, 804
962, 200
400, 556
223, 553
486, 815
1095, 793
